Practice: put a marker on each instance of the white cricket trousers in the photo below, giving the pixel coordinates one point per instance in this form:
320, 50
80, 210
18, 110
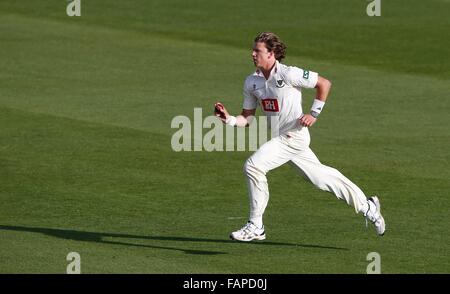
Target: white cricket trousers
294, 148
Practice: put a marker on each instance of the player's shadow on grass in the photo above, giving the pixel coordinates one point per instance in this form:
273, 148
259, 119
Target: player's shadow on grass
99, 238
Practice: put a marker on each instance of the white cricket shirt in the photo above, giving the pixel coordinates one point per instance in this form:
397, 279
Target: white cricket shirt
280, 95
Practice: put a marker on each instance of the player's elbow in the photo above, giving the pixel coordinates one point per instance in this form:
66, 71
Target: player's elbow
323, 83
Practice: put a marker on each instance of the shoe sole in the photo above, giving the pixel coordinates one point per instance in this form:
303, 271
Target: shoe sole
257, 238
376, 201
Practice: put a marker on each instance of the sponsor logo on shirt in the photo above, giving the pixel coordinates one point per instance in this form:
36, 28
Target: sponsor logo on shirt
270, 104
306, 74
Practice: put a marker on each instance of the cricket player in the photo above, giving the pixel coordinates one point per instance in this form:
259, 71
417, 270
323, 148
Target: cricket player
277, 89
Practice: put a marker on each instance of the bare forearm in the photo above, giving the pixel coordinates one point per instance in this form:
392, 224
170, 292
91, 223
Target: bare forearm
242, 121
245, 118
322, 89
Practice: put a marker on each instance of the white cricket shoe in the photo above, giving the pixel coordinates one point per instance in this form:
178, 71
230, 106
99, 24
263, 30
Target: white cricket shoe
248, 233
374, 215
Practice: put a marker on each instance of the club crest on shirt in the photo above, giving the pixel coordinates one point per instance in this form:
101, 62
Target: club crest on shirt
280, 84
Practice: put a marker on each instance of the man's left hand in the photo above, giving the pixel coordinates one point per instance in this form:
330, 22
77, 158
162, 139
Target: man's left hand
307, 120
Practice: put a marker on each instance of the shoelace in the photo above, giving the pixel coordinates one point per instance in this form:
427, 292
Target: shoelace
372, 217
366, 215
247, 228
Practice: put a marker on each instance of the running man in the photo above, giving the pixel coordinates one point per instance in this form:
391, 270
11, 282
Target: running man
277, 89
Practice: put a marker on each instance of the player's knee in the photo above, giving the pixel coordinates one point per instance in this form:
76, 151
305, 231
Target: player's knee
250, 168
247, 166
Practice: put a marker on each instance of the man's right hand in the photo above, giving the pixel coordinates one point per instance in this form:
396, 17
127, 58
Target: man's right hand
221, 112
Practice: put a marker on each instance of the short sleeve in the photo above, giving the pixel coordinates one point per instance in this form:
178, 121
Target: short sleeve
250, 101
298, 77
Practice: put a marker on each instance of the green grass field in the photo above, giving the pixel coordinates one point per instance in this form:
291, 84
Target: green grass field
86, 163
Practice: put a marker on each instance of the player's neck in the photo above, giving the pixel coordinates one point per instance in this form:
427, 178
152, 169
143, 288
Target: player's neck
266, 70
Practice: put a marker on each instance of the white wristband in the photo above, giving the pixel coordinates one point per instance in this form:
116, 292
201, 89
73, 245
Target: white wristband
231, 121
317, 106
